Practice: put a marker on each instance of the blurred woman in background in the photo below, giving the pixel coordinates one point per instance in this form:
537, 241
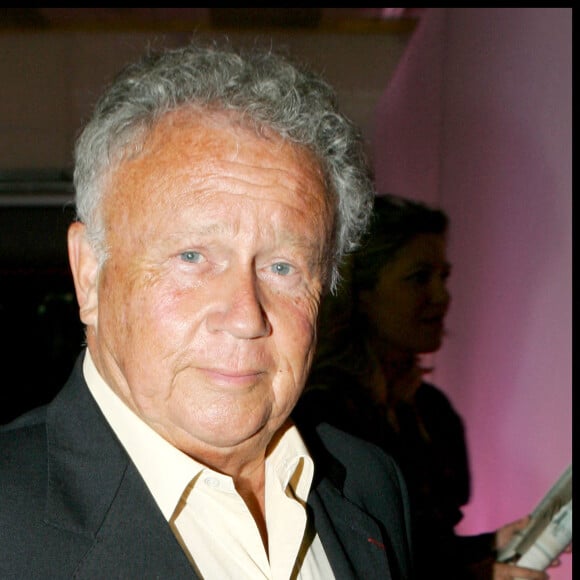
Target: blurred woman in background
368, 378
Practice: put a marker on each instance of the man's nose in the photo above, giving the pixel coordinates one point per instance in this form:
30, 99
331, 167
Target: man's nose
238, 308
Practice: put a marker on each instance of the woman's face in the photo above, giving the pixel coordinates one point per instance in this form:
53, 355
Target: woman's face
407, 307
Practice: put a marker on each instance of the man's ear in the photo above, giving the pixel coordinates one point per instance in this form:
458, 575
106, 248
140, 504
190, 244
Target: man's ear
85, 270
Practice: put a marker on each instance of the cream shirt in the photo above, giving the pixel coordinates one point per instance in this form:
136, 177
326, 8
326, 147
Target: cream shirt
204, 510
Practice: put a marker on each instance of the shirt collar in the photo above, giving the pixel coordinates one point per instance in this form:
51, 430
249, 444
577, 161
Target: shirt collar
154, 457
290, 463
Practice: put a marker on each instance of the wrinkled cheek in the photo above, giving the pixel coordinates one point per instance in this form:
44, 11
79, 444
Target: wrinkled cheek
303, 348
307, 323
151, 328
128, 320
310, 325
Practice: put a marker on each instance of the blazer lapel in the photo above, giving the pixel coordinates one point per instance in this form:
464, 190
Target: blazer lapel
135, 541
97, 494
351, 539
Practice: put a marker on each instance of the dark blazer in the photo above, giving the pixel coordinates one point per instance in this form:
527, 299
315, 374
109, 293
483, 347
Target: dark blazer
72, 503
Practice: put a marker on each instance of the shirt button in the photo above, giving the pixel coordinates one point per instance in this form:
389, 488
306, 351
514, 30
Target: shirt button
211, 482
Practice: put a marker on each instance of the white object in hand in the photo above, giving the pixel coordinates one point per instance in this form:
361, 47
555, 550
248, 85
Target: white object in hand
551, 542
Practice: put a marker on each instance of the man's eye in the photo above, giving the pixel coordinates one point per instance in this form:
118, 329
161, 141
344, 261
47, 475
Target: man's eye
281, 268
191, 257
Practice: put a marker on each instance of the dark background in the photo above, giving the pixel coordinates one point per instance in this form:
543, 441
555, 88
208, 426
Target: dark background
39, 324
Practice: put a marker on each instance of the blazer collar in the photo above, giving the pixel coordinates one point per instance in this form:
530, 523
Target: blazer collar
351, 537
95, 492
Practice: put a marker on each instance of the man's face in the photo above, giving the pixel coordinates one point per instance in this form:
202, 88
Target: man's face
206, 307
407, 307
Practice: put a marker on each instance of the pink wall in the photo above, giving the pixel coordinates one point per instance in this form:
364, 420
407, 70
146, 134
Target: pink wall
478, 118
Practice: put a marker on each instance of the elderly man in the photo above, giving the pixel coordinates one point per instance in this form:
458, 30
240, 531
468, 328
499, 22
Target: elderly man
216, 194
